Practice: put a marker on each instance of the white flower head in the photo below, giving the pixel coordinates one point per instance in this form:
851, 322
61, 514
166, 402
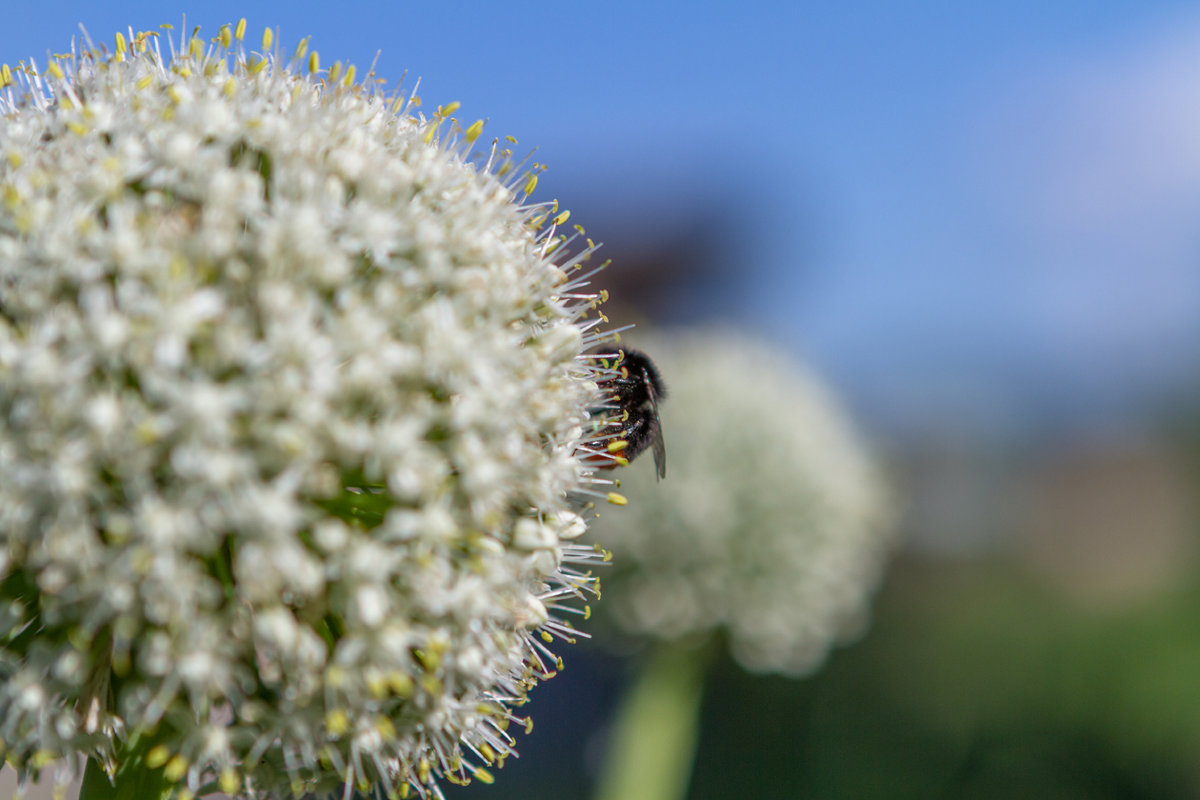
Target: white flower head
771, 527
292, 390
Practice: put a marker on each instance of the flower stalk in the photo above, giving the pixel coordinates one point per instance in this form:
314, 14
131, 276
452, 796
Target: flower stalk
654, 735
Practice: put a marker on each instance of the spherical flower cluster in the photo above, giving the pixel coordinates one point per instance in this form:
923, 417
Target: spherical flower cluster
772, 524
291, 399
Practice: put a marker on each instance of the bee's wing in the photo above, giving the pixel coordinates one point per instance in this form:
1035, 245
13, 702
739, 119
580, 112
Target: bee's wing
656, 433
660, 451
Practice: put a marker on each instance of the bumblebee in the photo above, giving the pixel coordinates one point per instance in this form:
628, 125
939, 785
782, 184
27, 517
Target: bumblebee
632, 398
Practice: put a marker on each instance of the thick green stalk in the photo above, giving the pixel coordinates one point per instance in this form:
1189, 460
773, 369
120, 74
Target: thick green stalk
654, 737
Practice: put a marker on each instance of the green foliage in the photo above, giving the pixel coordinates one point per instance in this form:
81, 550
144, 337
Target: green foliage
974, 682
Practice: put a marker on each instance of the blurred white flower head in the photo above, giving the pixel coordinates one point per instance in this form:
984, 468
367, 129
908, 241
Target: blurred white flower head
771, 527
291, 391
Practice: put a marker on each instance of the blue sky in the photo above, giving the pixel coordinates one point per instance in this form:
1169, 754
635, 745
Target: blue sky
965, 211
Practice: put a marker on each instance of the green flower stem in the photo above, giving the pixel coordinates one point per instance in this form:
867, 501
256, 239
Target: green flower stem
134, 780
654, 737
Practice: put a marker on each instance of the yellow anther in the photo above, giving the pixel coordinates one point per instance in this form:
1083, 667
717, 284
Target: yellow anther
158, 755
175, 769
431, 684
55, 70
144, 81
258, 66
531, 184
267, 38
400, 684
15, 159
337, 722
348, 81
385, 728
229, 781
483, 775
239, 33
77, 128
167, 26
314, 62
196, 47
302, 47
449, 109
6, 77
617, 499
335, 71
377, 685
563, 217
120, 43
229, 88
173, 93
474, 130
617, 445
335, 677
546, 637
225, 37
